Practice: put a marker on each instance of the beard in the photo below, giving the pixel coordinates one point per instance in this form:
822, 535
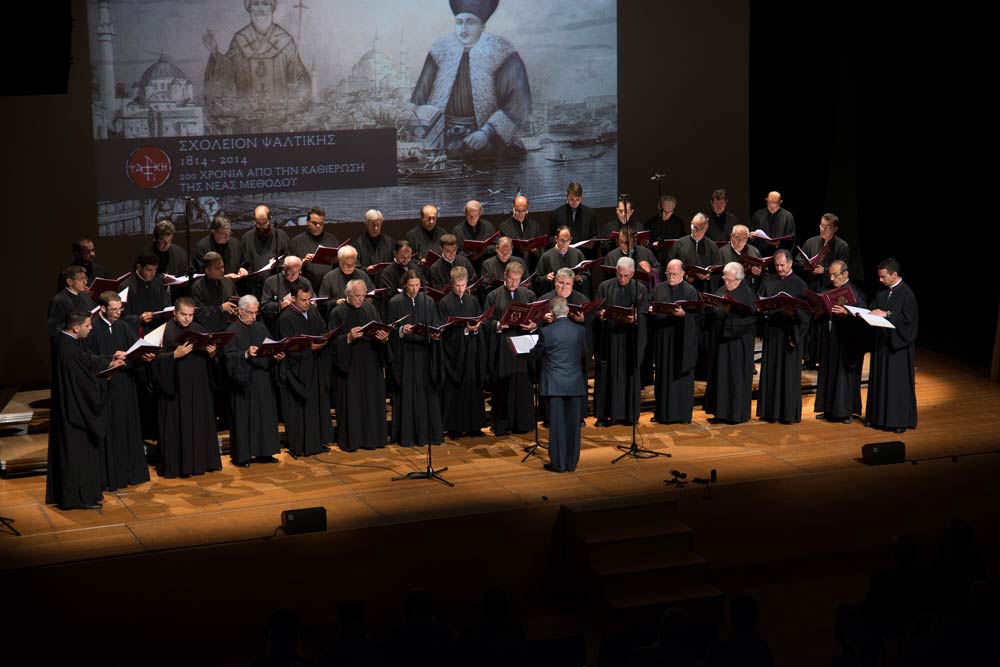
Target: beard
261, 22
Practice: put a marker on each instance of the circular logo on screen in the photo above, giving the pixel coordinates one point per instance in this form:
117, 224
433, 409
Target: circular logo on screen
148, 167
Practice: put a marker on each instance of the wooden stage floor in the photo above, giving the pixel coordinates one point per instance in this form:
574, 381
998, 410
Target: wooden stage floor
958, 406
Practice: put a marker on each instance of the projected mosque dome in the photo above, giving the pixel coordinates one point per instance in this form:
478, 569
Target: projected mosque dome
375, 71
163, 82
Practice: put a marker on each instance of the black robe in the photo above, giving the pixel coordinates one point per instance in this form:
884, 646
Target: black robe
276, 288
729, 390
526, 230
892, 396
189, 443
209, 295
335, 282
231, 252
439, 274
421, 240
582, 224
698, 253
359, 382
144, 297
619, 348
779, 223
305, 386
257, 252
64, 303
416, 375
511, 391
842, 342
675, 351
552, 261
305, 244
253, 414
482, 231
612, 226
391, 278
839, 249
464, 367
92, 270
173, 261
720, 227
77, 425
660, 229
779, 396
372, 251
123, 456
729, 254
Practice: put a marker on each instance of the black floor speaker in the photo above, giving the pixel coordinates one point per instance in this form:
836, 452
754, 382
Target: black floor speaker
303, 520
883, 453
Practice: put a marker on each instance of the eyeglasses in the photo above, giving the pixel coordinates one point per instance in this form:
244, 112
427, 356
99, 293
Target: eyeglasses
825, 226
836, 275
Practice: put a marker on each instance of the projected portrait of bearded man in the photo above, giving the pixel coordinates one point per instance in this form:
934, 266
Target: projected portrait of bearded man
262, 62
479, 81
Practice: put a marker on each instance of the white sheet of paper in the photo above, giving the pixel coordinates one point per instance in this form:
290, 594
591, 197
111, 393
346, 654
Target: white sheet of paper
155, 337
524, 344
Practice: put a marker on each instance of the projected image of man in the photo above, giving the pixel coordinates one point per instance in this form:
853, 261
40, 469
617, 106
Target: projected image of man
479, 81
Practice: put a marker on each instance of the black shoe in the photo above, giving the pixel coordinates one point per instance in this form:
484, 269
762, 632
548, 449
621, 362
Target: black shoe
476, 434
685, 421
324, 448
245, 464
603, 423
868, 423
94, 506
717, 420
549, 467
266, 459
847, 420
899, 430
293, 455
820, 415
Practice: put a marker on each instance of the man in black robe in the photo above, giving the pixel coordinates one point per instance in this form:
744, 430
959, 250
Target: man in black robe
624, 217
73, 297
520, 226
474, 228
123, 456
728, 392
277, 293
439, 274
675, 338
415, 367
580, 218
253, 413
560, 349
697, 250
173, 259
426, 236
892, 395
146, 295
841, 344
305, 378
334, 284
211, 294
780, 391
358, 366
627, 247
720, 220
78, 419
220, 239
738, 246
619, 347
373, 246
667, 223
83, 256
464, 352
496, 266
260, 245
402, 263
512, 392
308, 242
817, 278
774, 221
189, 443
561, 256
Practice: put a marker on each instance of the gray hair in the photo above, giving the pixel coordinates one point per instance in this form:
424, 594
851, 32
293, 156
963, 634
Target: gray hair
626, 263
566, 273
558, 306
293, 260
371, 215
346, 251
248, 300
352, 284
699, 218
736, 269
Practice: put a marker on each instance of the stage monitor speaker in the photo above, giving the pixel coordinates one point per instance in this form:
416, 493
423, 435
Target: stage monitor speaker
303, 520
883, 453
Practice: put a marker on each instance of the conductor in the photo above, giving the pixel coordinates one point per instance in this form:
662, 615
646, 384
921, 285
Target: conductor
561, 348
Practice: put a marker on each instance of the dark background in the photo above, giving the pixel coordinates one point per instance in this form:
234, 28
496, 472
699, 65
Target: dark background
839, 112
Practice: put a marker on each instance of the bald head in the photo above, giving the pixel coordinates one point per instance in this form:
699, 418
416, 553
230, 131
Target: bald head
675, 272
520, 210
773, 201
262, 217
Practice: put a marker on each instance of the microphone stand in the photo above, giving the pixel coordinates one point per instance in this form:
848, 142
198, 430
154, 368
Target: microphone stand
530, 449
187, 238
634, 451
429, 472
